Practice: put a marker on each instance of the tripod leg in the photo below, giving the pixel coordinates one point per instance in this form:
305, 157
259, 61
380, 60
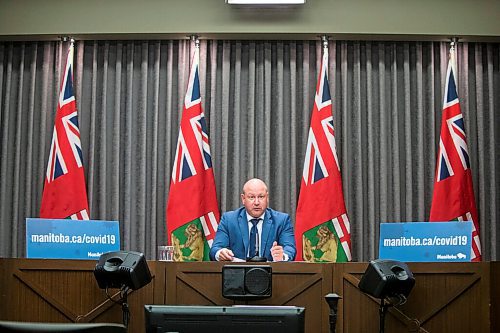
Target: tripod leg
382, 311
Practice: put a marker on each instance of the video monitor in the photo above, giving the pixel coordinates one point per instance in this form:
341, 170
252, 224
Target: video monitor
207, 319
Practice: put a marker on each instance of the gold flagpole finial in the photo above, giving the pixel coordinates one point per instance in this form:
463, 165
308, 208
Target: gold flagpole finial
65, 39
195, 39
324, 39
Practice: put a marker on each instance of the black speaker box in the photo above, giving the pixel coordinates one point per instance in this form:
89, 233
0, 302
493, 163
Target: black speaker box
387, 278
122, 268
249, 282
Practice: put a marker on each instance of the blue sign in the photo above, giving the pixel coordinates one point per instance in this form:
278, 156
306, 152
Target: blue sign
426, 241
70, 239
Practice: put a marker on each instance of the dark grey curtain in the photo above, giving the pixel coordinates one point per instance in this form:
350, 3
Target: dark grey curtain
257, 96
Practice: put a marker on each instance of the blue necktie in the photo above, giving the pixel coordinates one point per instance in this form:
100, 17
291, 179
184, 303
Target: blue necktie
254, 239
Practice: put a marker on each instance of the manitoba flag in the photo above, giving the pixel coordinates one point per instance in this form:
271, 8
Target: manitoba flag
192, 209
322, 229
453, 197
64, 192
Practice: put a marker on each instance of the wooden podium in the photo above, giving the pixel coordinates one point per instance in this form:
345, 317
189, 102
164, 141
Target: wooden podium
447, 297
293, 283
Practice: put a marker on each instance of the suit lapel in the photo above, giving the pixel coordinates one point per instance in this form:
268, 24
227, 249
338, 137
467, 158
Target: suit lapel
243, 224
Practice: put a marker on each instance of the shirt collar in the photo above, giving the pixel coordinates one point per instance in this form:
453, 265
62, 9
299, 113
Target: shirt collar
249, 217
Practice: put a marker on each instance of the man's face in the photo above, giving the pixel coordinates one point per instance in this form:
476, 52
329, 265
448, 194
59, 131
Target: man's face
255, 198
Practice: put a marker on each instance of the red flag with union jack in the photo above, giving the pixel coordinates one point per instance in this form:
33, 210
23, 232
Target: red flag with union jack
192, 208
453, 197
64, 192
322, 228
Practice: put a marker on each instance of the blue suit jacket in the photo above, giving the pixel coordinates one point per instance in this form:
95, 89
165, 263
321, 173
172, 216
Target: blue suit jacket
232, 233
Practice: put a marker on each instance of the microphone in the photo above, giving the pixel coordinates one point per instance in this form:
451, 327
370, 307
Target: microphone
256, 254
256, 257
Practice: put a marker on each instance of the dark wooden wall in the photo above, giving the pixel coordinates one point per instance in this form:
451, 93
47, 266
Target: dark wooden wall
447, 297
495, 297
65, 291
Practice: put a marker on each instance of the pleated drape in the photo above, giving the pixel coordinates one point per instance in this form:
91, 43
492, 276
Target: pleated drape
257, 97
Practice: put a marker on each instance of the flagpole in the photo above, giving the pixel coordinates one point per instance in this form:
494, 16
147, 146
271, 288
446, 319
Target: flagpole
325, 222
453, 59
196, 40
192, 206
59, 200
65, 39
324, 39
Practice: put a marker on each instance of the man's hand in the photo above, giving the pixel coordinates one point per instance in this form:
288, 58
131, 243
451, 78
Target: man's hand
277, 252
225, 255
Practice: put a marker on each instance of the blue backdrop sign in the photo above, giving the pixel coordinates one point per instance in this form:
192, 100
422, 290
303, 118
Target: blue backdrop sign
426, 241
69, 239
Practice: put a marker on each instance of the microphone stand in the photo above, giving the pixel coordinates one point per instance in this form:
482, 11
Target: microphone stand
256, 257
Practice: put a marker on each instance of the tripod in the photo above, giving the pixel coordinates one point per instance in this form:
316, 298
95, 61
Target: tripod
123, 302
395, 300
381, 313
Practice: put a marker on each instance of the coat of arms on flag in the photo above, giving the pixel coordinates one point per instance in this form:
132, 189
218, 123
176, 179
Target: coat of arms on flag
192, 208
322, 228
64, 193
453, 197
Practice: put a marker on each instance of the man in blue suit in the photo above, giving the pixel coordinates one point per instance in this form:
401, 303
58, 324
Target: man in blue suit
271, 230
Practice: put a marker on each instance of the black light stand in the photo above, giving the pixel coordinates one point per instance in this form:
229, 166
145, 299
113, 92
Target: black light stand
332, 300
123, 302
381, 312
125, 308
395, 300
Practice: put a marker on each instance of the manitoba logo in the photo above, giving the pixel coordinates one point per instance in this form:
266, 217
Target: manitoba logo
192, 240
328, 242
320, 244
